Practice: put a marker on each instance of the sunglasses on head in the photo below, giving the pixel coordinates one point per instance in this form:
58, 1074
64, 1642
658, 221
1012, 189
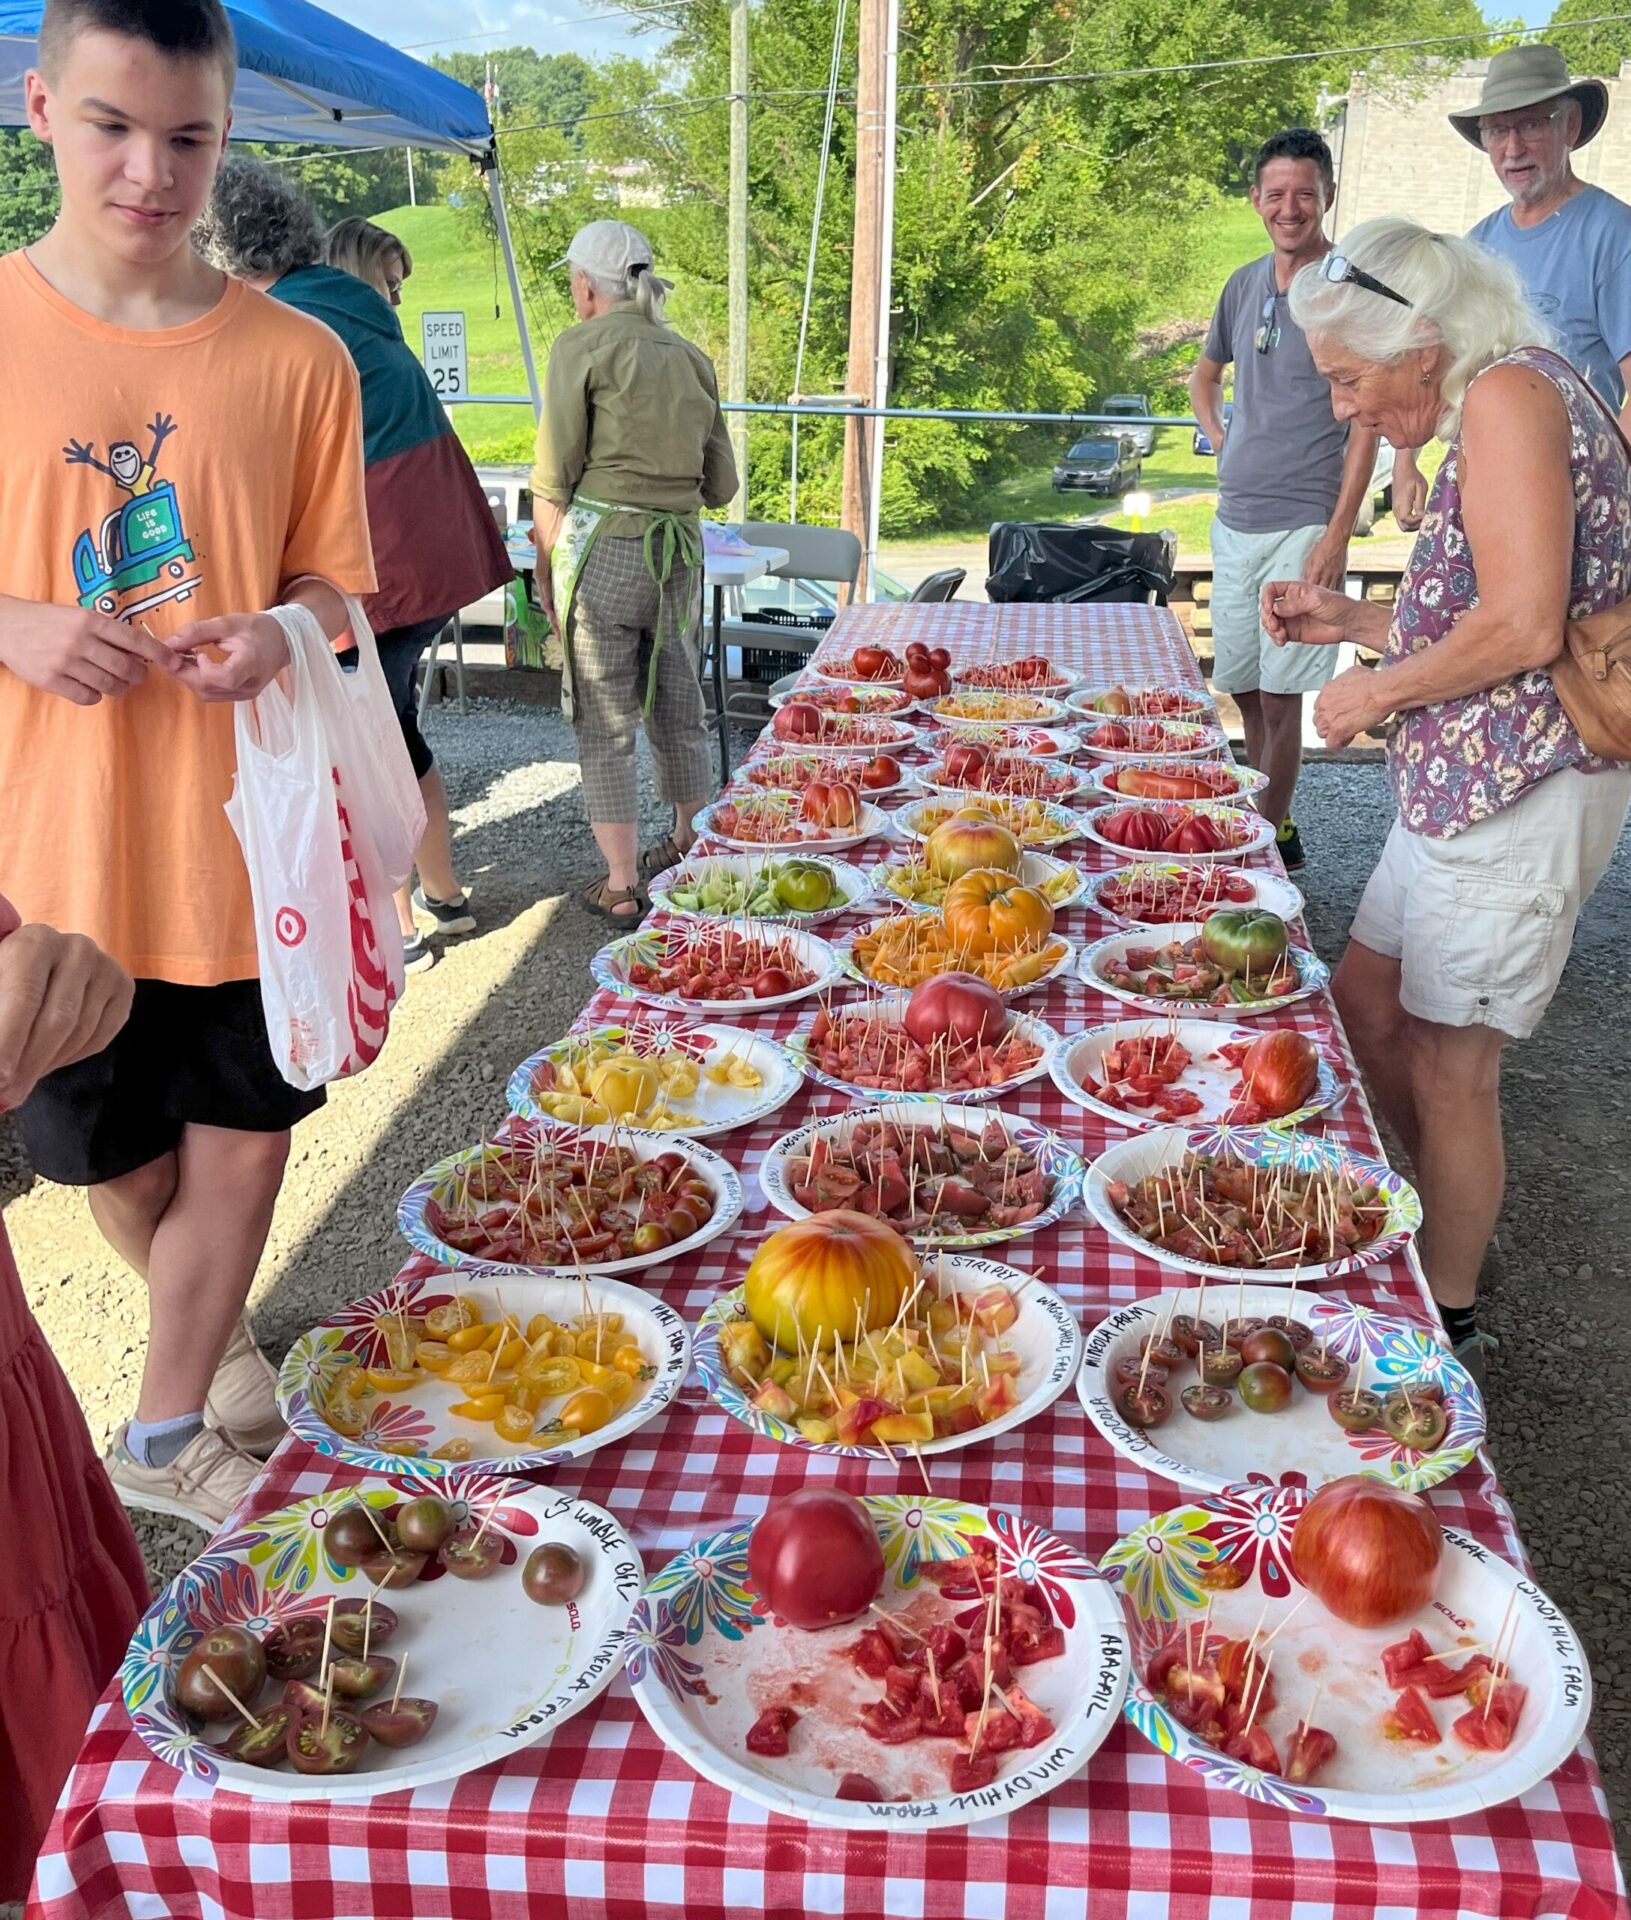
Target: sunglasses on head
1338, 269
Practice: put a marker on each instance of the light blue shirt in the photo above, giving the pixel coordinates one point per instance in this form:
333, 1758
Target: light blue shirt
1576, 268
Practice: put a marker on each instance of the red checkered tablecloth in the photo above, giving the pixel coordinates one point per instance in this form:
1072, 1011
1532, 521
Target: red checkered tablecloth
601, 1820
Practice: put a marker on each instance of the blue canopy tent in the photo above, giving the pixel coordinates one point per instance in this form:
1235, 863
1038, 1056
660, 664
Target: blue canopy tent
306, 77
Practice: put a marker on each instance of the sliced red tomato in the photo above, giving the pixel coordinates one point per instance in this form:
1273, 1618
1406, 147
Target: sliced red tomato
1491, 1731
1311, 1748
1401, 1662
768, 1734
1410, 1718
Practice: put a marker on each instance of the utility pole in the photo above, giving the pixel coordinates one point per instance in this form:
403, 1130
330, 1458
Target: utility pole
412, 202
736, 364
866, 261
886, 266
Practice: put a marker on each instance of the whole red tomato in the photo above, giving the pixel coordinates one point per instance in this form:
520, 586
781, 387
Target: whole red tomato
918, 655
1368, 1551
874, 663
1197, 834
1112, 736
770, 983
940, 660
957, 1007
965, 763
1135, 828
798, 720
832, 804
1281, 1070
883, 770
923, 683
815, 1557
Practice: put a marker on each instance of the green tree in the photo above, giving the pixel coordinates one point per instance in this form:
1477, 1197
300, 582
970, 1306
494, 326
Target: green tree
1595, 50
532, 86
28, 189
1035, 226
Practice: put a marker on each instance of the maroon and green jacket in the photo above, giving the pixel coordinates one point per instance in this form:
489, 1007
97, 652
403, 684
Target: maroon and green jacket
436, 545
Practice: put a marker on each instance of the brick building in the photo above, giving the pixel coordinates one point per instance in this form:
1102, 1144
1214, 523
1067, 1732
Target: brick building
1396, 152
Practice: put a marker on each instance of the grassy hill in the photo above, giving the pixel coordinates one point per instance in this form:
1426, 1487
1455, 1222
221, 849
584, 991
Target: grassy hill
452, 275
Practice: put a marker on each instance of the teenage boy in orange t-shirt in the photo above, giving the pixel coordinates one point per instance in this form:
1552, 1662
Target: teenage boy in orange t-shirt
180, 451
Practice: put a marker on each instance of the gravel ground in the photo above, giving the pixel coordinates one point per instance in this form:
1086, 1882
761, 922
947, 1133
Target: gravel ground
1555, 1289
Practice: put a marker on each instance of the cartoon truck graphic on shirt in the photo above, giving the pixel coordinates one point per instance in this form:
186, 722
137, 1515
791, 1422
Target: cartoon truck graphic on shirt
140, 559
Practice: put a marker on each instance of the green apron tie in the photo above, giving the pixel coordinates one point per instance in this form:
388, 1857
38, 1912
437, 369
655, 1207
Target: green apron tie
667, 537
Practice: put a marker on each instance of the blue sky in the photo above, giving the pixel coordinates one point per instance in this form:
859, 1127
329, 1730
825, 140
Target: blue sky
561, 27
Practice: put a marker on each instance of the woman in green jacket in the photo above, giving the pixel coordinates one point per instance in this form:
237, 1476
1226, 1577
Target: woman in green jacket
631, 444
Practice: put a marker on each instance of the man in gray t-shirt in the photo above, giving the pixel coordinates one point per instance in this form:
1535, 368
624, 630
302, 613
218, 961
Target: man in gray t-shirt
1570, 243
1291, 477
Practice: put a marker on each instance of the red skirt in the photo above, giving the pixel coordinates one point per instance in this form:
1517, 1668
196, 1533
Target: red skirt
72, 1584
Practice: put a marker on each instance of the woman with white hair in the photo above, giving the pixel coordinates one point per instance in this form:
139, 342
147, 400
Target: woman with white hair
631, 444
1505, 820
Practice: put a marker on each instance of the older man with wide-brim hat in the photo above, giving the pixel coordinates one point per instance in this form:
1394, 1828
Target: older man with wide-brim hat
1570, 242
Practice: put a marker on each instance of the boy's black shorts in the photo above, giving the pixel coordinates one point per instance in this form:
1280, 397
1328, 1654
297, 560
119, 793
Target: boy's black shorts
196, 1054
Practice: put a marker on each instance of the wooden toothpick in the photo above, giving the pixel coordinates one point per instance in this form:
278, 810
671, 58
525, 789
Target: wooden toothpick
254, 1723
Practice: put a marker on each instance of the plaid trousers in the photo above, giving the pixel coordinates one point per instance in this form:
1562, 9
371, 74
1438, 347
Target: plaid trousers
613, 629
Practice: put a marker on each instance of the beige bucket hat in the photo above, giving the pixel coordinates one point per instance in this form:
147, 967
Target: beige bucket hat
1524, 77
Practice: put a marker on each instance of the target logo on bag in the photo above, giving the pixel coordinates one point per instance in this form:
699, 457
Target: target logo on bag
290, 926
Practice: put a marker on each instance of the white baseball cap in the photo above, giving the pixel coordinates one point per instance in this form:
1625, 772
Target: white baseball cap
609, 250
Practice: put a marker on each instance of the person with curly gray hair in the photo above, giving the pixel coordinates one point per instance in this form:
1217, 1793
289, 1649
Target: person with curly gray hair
436, 546
1506, 820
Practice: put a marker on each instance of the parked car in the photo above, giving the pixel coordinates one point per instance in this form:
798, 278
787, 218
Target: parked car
1104, 463
1135, 409
1202, 446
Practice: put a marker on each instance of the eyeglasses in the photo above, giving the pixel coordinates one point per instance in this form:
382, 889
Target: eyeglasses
1268, 331
1338, 269
1529, 127
393, 290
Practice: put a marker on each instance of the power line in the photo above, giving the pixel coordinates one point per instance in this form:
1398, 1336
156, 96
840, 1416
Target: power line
968, 82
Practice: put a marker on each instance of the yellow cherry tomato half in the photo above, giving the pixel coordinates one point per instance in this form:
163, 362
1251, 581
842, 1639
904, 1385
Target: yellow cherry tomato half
432, 1356
514, 1423
485, 1406
629, 1360
448, 1319
390, 1379
469, 1339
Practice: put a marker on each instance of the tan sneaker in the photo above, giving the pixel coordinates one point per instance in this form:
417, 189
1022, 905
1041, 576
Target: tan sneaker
205, 1482
242, 1400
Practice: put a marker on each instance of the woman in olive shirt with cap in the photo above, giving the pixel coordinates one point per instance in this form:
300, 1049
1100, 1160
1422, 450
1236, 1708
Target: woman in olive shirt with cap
631, 444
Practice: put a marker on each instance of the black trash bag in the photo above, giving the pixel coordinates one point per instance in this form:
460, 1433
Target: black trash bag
1069, 561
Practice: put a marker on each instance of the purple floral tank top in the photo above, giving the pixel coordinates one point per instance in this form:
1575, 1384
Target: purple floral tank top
1461, 761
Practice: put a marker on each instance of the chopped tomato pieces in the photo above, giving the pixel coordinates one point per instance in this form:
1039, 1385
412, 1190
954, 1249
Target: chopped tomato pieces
768, 1734
1411, 1718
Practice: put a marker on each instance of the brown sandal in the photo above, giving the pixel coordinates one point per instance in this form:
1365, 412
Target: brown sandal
604, 899
660, 858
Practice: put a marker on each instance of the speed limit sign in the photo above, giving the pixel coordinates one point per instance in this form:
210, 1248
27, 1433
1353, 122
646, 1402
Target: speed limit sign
442, 343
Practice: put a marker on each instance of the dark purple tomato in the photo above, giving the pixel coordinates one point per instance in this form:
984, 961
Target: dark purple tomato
295, 1649
553, 1575
1147, 1408
1419, 1390
1269, 1343
402, 1725
1301, 1337
302, 1699
1129, 1369
1192, 1334
264, 1745
1162, 1352
1234, 1331
1421, 1426
358, 1679
397, 1569
1355, 1409
1220, 1366
312, 1748
1322, 1373
353, 1535
1207, 1403
349, 1616
237, 1658
423, 1524
1264, 1387
470, 1557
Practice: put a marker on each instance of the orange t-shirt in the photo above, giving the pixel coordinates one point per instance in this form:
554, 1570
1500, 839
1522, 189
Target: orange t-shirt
168, 477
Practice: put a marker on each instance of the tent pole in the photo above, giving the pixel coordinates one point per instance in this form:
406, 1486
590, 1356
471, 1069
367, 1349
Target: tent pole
496, 195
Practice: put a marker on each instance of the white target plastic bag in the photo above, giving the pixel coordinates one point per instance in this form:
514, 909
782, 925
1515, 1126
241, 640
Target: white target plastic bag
328, 832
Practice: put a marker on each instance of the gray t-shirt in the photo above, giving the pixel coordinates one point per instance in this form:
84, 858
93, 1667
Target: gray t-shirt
1576, 267
1281, 465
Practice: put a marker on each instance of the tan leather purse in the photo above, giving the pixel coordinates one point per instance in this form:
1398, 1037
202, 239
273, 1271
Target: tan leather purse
1594, 685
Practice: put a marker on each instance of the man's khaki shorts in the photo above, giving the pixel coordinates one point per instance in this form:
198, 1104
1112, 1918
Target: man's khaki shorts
1245, 659
1482, 923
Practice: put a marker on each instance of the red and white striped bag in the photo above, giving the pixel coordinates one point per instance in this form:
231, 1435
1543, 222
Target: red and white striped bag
328, 813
